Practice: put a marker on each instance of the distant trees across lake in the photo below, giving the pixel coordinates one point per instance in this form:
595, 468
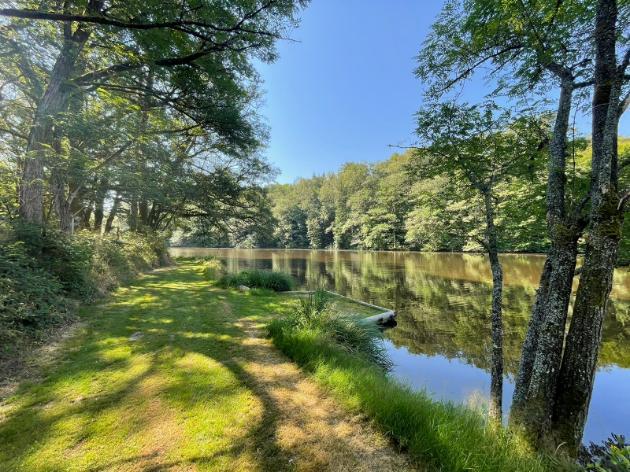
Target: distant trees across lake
381, 206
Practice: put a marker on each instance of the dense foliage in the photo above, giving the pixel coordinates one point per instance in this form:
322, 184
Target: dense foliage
383, 206
42, 275
135, 115
121, 122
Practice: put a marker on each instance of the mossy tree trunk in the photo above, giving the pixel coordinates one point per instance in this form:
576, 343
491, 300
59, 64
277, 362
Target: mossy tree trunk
541, 356
607, 206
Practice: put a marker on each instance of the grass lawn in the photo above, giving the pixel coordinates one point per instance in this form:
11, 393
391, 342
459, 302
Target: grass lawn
198, 389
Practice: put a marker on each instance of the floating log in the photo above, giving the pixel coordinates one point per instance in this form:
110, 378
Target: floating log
382, 318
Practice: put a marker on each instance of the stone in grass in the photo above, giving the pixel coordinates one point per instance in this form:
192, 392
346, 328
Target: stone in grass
243, 288
135, 336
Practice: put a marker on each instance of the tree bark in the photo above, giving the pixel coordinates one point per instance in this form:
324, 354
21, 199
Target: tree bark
528, 353
496, 373
582, 347
54, 101
541, 357
112, 214
534, 415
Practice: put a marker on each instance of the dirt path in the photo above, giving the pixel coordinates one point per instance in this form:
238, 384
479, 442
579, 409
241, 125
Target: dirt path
309, 427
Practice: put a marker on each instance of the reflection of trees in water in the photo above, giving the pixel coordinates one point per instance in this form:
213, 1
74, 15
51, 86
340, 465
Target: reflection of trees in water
443, 302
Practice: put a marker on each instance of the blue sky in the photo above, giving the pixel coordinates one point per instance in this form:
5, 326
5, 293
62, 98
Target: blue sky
345, 90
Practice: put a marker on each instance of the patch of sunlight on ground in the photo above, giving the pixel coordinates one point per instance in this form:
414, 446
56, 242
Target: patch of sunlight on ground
184, 395
172, 398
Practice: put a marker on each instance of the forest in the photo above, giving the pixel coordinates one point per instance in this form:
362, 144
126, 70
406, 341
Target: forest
128, 127
384, 207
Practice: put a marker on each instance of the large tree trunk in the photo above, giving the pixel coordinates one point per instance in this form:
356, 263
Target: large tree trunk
54, 101
534, 415
582, 346
496, 372
541, 356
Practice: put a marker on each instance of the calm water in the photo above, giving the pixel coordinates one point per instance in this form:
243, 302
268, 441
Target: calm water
442, 341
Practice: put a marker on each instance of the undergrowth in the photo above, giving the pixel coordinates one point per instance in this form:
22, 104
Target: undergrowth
316, 313
276, 281
44, 273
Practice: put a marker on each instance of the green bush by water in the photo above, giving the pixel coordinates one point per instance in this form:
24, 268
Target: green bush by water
315, 313
440, 436
276, 281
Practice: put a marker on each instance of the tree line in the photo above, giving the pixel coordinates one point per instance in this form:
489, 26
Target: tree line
134, 115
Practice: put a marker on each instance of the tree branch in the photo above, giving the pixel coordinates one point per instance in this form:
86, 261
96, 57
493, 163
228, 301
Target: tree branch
179, 25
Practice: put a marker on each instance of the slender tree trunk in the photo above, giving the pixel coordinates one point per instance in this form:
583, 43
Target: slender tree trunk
143, 214
496, 377
133, 214
99, 204
62, 205
86, 215
112, 214
54, 101
528, 354
584, 337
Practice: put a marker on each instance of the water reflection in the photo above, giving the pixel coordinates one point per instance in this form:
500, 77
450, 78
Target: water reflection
442, 340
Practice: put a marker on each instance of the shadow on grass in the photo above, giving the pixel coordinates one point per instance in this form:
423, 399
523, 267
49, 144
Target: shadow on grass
90, 400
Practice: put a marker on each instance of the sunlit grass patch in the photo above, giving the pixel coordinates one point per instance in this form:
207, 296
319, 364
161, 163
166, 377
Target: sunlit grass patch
172, 397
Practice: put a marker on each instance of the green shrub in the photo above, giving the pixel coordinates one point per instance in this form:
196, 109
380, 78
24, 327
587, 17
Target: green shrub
613, 455
30, 297
117, 261
41, 269
212, 268
67, 258
276, 281
349, 332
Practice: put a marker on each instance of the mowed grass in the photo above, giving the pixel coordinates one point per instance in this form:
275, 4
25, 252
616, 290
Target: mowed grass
178, 397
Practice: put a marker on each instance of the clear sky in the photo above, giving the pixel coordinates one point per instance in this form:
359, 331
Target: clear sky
345, 91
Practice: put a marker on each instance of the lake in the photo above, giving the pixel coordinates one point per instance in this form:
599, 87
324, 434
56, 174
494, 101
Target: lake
441, 343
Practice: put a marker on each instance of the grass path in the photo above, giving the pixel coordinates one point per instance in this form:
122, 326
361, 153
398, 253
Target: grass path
200, 389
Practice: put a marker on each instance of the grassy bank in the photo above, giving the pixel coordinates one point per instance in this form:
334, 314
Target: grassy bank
448, 437
173, 373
